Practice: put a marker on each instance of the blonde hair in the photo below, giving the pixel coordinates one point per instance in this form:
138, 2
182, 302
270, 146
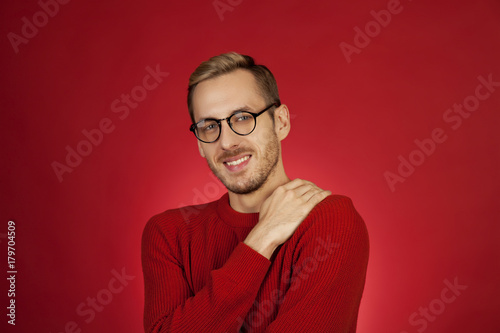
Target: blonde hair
227, 63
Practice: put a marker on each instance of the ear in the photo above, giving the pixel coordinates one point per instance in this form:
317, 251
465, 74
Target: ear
200, 148
282, 121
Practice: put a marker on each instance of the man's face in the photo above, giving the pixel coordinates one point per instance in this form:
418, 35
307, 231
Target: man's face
242, 163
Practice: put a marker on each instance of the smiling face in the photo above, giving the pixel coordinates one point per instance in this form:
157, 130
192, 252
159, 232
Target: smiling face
242, 163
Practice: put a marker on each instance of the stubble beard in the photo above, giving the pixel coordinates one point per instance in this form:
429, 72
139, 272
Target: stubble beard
250, 183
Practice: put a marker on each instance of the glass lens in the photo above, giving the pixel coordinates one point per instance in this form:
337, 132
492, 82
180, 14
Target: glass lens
242, 123
207, 130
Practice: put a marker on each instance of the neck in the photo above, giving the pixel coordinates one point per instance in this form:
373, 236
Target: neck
251, 202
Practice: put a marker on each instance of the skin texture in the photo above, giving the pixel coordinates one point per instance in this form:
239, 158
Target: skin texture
252, 182
260, 184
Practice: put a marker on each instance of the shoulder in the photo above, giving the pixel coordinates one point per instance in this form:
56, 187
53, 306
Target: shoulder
335, 215
336, 208
163, 223
336, 226
178, 222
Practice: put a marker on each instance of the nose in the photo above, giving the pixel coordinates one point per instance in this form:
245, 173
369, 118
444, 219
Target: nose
228, 140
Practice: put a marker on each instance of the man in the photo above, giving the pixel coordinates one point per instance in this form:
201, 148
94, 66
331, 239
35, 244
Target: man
272, 254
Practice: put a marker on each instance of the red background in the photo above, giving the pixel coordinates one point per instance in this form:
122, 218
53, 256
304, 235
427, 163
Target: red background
350, 122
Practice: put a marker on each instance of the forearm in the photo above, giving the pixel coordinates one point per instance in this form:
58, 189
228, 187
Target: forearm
227, 296
260, 243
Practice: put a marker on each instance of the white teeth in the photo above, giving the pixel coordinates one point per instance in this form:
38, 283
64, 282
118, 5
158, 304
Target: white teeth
243, 159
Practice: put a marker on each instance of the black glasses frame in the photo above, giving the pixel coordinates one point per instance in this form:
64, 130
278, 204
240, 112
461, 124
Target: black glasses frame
193, 127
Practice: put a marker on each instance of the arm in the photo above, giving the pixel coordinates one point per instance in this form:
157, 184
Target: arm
171, 306
329, 273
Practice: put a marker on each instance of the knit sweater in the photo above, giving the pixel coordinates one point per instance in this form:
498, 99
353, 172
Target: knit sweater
199, 276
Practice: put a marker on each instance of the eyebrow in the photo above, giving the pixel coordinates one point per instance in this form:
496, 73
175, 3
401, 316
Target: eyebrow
244, 108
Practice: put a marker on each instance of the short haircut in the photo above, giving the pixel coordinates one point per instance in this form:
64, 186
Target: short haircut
227, 63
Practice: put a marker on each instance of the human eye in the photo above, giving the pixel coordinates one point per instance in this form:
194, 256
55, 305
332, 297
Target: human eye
209, 126
242, 117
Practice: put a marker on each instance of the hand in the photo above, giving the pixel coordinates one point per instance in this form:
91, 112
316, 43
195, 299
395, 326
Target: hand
281, 214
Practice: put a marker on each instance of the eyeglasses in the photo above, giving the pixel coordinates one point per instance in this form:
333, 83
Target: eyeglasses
241, 122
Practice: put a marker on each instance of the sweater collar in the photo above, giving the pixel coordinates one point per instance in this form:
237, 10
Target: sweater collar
234, 218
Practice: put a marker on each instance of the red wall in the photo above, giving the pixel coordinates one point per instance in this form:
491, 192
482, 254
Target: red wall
359, 101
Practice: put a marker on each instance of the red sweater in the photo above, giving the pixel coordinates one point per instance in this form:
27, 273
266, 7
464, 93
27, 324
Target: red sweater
200, 277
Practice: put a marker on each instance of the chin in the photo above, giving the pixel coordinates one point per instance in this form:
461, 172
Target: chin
242, 190
248, 186
244, 182
239, 187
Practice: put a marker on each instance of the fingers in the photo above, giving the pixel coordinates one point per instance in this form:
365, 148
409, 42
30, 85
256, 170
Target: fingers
283, 211
291, 185
307, 190
296, 183
314, 195
318, 196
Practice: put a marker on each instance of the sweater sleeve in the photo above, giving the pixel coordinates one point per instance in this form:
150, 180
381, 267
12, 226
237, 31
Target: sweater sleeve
171, 305
329, 272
